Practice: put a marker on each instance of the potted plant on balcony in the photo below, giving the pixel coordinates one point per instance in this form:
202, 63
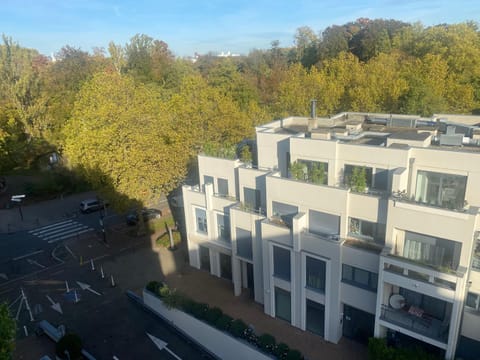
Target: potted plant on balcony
358, 180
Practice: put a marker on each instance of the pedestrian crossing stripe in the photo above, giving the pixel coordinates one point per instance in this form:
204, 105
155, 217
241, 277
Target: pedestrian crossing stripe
60, 231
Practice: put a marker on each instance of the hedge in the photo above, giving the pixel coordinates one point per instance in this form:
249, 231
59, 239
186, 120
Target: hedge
215, 317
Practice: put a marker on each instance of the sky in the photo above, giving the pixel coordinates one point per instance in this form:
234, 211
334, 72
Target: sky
189, 26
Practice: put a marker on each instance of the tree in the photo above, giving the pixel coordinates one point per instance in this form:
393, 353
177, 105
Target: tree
358, 181
7, 333
123, 142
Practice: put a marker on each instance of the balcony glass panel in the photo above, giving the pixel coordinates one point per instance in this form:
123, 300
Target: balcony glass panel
222, 187
323, 224
201, 217
432, 251
443, 190
223, 227
251, 198
285, 212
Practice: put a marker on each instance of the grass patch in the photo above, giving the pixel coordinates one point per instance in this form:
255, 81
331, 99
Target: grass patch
155, 225
164, 240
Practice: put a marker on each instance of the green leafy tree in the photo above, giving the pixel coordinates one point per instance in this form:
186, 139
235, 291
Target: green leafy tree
318, 174
358, 180
7, 333
121, 139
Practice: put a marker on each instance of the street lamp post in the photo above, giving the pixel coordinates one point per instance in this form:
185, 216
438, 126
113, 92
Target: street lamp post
18, 199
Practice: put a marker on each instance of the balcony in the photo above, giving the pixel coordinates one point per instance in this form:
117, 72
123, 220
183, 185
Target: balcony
363, 245
416, 320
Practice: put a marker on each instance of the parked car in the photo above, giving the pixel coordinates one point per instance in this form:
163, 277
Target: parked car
90, 205
147, 214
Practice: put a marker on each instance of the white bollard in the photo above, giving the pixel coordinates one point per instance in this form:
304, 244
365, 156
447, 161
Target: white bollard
113, 281
93, 265
66, 286
101, 271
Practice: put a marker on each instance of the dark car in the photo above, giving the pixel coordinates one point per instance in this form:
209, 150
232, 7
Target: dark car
147, 214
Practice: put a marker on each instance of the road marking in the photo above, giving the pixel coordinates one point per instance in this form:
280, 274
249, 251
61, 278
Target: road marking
41, 229
87, 287
33, 262
27, 255
60, 231
70, 251
162, 345
55, 305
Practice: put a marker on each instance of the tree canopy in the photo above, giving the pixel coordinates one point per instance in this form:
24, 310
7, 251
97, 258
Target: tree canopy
7, 333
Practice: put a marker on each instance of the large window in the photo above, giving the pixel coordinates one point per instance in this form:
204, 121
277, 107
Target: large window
201, 216
367, 230
281, 263
431, 250
204, 258
315, 274
285, 212
432, 306
283, 304
476, 255
351, 172
359, 277
323, 224
223, 227
311, 171
244, 243
222, 187
251, 198
444, 190
315, 317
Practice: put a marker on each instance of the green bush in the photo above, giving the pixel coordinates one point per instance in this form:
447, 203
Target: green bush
294, 355
71, 343
154, 286
238, 328
200, 310
213, 314
224, 322
266, 342
281, 351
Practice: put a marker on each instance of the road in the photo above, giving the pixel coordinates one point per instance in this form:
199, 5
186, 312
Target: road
108, 322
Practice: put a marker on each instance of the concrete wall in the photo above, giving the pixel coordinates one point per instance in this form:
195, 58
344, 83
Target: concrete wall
218, 168
219, 343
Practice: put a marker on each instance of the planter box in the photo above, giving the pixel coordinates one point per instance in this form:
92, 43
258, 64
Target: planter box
219, 343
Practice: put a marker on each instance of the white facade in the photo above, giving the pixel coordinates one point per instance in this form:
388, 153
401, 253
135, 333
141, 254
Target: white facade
396, 253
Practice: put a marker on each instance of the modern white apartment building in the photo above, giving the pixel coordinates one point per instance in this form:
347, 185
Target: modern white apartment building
356, 225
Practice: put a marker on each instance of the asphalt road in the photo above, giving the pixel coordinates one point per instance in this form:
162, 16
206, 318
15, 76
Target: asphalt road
109, 323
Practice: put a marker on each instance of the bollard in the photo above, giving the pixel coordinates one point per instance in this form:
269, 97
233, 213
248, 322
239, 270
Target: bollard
101, 271
93, 265
113, 281
66, 285
76, 297
25, 329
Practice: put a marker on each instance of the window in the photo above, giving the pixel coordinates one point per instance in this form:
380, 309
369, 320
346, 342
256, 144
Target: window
244, 243
473, 301
251, 198
201, 216
285, 212
283, 304
434, 307
315, 274
311, 171
432, 251
223, 227
367, 230
204, 258
358, 277
476, 255
208, 180
444, 190
350, 171
281, 263
323, 224
222, 187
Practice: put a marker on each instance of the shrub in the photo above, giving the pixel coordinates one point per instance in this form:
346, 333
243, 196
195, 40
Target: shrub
173, 299
224, 322
266, 342
281, 351
294, 355
213, 314
163, 291
188, 305
199, 310
71, 343
238, 328
154, 286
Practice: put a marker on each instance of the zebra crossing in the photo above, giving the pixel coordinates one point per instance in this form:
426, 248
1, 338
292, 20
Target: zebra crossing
60, 231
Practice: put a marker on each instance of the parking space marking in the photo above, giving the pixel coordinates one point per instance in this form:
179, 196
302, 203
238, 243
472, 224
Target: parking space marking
27, 255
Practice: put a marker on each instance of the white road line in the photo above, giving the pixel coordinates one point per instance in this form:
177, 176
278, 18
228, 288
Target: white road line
64, 232
27, 255
37, 230
59, 229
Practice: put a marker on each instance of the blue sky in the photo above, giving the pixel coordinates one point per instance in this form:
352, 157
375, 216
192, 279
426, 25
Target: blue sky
201, 26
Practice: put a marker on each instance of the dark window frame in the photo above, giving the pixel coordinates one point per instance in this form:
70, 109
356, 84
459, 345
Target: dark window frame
355, 274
